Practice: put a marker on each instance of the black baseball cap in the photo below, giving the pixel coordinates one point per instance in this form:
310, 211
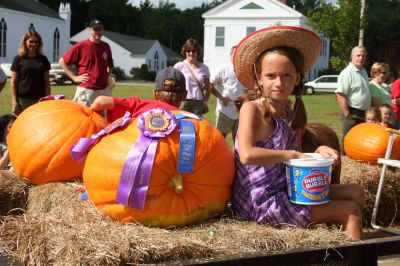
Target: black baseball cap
95, 23
170, 79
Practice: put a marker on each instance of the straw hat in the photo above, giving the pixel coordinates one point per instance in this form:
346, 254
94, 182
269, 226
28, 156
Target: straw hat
254, 44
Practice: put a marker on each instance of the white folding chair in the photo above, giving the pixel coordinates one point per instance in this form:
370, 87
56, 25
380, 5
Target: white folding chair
386, 162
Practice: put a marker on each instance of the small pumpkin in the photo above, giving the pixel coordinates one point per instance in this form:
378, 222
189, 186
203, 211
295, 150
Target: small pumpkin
173, 199
367, 142
40, 139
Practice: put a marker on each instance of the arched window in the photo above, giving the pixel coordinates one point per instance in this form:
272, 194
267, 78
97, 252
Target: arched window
156, 65
56, 45
31, 27
3, 38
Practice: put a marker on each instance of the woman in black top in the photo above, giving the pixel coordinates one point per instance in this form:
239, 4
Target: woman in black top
29, 73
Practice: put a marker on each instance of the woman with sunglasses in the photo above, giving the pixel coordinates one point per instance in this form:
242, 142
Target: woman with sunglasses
197, 77
380, 92
29, 73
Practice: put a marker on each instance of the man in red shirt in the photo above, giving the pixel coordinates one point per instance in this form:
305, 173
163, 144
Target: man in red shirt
93, 60
169, 92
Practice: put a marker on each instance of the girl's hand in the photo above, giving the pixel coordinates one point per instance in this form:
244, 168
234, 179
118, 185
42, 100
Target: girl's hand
328, 152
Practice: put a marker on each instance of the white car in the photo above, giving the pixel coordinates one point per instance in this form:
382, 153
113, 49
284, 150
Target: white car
58, 75
327, 83
7, 69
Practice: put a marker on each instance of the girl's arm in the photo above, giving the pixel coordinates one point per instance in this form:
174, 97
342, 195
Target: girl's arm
250, 120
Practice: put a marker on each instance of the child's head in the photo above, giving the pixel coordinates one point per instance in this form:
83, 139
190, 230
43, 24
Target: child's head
6, 122
170, 86
386, 113
372, 115
273, 62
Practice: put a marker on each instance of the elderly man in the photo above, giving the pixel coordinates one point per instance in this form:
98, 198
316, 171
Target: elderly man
353, 93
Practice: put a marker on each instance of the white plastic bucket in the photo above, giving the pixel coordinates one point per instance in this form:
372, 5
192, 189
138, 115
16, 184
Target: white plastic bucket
309, 179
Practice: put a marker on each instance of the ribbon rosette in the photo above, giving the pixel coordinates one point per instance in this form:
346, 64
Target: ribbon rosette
133, 185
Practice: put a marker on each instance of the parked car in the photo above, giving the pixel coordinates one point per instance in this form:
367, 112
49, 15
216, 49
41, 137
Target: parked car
327, 83
58, 75
7, 69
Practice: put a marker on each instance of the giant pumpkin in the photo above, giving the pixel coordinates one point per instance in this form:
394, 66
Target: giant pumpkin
173, 199
40, 139
367, 142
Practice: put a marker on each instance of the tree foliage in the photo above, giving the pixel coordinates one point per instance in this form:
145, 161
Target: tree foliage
164, 22
341, 23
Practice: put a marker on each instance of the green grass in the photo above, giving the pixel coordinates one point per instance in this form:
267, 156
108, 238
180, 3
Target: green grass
321, 108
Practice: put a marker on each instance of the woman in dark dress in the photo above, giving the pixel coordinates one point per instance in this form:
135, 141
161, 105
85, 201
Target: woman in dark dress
29, 73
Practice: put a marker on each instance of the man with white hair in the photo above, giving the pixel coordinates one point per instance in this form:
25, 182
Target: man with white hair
353, 93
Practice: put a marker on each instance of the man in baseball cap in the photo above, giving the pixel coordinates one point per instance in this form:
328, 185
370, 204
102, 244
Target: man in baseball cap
93, 60
168, 93
95, 23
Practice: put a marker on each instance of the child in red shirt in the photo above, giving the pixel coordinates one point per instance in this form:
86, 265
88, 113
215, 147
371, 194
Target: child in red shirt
169, 92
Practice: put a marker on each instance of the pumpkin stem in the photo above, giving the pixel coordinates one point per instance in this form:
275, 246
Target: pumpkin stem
177, 183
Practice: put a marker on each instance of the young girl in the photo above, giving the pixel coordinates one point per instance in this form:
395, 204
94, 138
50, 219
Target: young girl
274, 60
373, 115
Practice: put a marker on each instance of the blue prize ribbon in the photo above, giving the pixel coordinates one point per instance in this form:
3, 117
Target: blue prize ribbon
186, 146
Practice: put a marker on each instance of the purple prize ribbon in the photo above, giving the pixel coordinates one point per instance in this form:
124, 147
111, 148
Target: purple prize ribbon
135, 176
52, 97
80, 150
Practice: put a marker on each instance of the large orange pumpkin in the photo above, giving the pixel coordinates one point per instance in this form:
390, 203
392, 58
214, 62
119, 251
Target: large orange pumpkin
40, 139
367, 142
173, 199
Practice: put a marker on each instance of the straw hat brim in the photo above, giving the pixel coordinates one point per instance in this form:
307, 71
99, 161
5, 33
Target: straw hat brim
253, 45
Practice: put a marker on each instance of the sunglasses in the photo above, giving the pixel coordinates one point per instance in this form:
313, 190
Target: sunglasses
193, 51
384, 72
33, 42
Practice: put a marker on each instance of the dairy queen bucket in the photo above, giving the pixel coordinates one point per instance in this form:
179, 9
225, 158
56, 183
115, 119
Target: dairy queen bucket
309, 179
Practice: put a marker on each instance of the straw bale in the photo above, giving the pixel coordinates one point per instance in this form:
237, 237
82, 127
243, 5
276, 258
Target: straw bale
13, 193
367, 175
61, 229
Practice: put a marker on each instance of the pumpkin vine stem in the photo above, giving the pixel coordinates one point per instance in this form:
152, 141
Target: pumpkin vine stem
177, 183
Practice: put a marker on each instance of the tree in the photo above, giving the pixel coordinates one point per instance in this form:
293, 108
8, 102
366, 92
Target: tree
341, 24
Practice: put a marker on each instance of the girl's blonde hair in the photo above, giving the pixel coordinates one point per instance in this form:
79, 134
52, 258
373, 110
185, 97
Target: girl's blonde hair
300, 117
23, 49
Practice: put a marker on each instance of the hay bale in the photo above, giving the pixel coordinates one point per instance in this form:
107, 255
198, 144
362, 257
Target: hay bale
13, 193
60, 229
367, 175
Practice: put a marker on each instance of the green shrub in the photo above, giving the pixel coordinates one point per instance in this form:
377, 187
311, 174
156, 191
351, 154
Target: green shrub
119, 73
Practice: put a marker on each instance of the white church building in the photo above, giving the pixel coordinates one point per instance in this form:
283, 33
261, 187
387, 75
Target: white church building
228, 23
17, 16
